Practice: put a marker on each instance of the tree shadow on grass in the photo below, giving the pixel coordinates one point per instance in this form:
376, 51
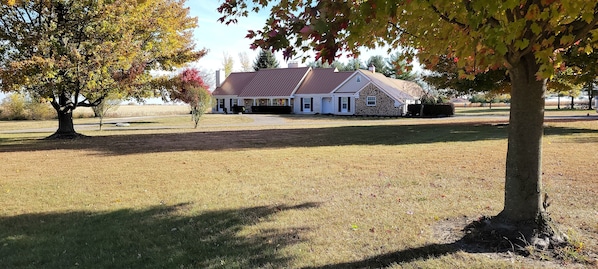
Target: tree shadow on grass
431, 251
282, 138
156, 237
403, 256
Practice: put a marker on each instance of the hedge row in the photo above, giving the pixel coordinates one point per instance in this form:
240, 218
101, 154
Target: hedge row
271, 109
431, 110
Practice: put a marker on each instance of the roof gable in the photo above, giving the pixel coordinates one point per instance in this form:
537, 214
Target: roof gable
322, 81
398, 89
276, 82
352, 84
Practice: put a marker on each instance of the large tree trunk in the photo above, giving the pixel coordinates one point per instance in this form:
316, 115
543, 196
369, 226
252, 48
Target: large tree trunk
558, 103
523, 182
64, 109
65, 123
524, 220
590, 94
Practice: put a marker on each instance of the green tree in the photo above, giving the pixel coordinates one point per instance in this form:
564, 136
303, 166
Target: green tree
379, 63
39, 109
591, 89
227, 64
318, 64
448, 77
353, 64
74, 53
18, 106
563, 83
527, 37
399, 67
14, 106
585, 68
265, 60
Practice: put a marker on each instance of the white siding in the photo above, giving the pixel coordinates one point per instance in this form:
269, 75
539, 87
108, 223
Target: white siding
316, 103
351, 85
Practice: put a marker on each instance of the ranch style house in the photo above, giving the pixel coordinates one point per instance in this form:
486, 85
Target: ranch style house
306, 90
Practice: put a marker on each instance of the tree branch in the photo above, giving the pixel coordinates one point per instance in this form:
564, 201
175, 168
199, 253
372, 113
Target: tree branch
492, 21
87, 103
55, 104
400, 30
579, 29
445, 17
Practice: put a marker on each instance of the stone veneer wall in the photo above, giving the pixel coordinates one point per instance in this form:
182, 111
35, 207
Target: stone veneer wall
385, 106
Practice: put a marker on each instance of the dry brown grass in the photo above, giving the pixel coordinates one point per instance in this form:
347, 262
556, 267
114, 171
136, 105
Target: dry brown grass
550, 111
136, 111
351, 193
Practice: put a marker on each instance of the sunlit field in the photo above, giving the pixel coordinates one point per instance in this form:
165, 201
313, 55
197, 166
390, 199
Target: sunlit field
282, 192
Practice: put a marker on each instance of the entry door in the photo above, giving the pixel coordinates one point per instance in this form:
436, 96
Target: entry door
327, 106
344, 104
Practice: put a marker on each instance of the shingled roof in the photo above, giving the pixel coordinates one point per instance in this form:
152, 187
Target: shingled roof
234, 83
322, 81
279, 82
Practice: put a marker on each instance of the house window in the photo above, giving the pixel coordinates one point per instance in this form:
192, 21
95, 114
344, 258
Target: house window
358, 78
233, 103
371, 100
280, 102
306, 104
220, 103
345, 103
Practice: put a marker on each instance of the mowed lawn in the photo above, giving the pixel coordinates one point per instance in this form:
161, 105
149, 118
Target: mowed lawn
315, 192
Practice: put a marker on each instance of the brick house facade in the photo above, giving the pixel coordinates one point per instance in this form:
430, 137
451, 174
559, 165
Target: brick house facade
374, 102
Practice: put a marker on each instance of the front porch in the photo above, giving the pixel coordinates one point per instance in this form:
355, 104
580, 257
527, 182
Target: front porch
268, 105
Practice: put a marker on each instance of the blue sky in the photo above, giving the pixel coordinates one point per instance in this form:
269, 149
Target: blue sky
219, 38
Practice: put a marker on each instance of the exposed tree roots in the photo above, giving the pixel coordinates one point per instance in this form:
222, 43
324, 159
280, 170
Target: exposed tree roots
70, 135
526, 237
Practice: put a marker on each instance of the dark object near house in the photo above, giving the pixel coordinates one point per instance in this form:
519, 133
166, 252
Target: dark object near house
238, 109
431, 110
271, 109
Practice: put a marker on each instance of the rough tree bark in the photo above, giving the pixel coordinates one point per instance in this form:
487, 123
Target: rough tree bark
64, 109
523, 182
524, 220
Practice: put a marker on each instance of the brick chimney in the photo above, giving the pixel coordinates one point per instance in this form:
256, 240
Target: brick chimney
372, 68
219, 77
